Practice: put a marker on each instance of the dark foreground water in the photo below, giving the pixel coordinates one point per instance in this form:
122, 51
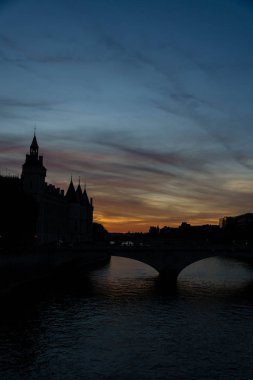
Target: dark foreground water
117, 323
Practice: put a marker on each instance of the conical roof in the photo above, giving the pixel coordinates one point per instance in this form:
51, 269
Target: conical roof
71, 193
79, 193
34, 144
85, 198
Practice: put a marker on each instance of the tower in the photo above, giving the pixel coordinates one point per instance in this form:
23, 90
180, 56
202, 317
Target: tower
33, 172
58, 217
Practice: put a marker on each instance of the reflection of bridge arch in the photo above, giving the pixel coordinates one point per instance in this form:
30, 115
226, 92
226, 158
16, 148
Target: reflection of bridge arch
134, 259
170, 262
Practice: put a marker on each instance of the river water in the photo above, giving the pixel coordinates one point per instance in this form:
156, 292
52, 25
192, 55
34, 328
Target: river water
118, 323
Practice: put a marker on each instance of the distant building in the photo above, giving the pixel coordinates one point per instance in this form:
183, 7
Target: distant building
241, 222
185, 226
58, 217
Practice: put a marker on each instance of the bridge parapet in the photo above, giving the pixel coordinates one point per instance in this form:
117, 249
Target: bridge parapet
169, 262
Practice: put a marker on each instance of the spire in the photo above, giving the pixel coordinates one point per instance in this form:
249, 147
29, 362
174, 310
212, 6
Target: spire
34, 147
85, 198
71, 193
79, 192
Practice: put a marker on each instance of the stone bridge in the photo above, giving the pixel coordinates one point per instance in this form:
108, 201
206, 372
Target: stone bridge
170, 261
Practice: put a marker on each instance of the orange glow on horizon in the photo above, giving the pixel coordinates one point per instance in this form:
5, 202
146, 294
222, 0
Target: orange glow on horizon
122, 225
123, 206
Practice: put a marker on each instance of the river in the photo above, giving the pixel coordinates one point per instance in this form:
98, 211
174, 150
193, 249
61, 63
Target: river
118, 323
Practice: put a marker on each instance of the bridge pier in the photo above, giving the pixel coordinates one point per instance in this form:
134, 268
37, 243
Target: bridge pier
168, 276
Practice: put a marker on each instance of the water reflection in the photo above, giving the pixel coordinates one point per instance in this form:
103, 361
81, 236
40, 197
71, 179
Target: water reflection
216, 277
123, 280
219, 271
117, 322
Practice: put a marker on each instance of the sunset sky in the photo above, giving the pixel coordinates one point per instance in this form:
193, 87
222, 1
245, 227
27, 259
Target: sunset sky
150, 101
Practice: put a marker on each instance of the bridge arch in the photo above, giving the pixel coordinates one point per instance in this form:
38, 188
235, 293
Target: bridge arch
140, 254
138, 260
169, 263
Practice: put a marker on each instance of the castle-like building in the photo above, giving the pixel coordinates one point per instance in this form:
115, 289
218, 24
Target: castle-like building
59, 217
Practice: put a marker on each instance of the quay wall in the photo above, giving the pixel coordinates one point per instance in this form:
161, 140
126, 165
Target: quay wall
19, 267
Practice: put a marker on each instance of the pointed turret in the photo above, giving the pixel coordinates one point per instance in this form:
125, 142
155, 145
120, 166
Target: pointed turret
79, 192
71, 193
34, 147
85, 199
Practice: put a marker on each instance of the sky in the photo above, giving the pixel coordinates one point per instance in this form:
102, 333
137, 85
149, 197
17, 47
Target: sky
149, 102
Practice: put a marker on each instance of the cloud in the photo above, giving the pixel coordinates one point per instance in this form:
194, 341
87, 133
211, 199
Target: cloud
129, 192
25, 109
16, 102
126, 146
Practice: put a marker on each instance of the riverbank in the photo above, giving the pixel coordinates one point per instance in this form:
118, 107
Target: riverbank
21, 266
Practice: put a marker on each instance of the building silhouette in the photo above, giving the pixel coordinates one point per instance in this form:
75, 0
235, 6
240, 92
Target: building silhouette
55, 216
242, 222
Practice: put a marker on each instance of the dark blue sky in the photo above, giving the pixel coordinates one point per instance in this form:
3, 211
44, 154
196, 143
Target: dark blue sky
151, 101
